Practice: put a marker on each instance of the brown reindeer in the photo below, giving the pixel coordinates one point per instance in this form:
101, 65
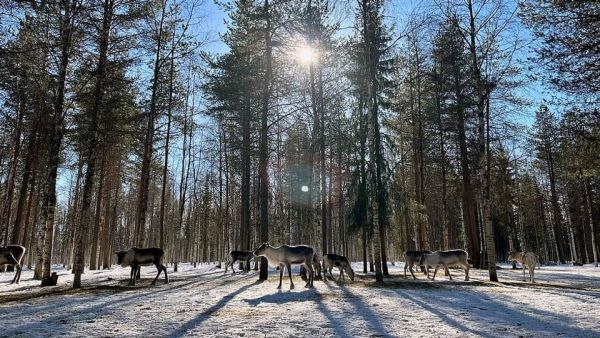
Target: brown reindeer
13, 255
136, 258
244, 256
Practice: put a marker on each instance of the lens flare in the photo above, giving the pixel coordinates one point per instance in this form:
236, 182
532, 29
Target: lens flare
306, 55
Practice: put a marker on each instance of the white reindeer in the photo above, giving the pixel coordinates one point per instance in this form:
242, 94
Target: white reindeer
285, 256
528, 260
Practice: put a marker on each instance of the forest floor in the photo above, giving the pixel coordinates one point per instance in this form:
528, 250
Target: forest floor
204, 302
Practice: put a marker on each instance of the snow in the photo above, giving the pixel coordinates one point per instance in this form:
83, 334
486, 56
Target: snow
204, 302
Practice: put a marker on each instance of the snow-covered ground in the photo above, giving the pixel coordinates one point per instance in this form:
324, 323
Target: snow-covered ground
203, 302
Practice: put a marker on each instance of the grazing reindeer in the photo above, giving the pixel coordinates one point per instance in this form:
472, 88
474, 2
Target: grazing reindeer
446, 259
244, 256
340, 262
136, 258
412, 258
285, 256
528, 260
13, 255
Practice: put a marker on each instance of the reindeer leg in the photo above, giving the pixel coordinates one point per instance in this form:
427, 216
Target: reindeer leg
289, 268
132, 276
281, 268
435, 272
411, 272
405, 267
16, 274
166, 277
467, 272
311, 275
446, 269
531, 273
137, 274
158, 274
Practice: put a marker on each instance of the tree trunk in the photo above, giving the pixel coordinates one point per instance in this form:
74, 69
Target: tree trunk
29, 167
468, 195
442, 145
91, 152
322, 160
588, 200
163, 192
245, 188
142, 204
12, 173
264, 145
55, 134
97, 217
419, 164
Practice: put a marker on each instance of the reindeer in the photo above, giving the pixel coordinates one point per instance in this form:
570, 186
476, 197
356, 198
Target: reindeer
285, 256
136, 258
412, 258
340, 262
13, 255
528, 260
446, 259
236, 255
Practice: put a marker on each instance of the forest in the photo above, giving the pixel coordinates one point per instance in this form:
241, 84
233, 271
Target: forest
363, 128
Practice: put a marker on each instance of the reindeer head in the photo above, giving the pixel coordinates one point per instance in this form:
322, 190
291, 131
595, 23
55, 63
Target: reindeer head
120, 256
261, 249
351, 273
7, 258
512, 256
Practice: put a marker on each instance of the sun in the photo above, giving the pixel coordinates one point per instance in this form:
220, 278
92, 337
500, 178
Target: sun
306, 55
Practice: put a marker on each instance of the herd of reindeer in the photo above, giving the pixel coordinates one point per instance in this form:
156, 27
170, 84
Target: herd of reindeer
283, 257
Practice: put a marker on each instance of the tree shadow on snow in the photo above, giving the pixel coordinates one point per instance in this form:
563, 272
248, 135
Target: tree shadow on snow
365, 310
200, 318
339, 320
73, 309
481, 311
